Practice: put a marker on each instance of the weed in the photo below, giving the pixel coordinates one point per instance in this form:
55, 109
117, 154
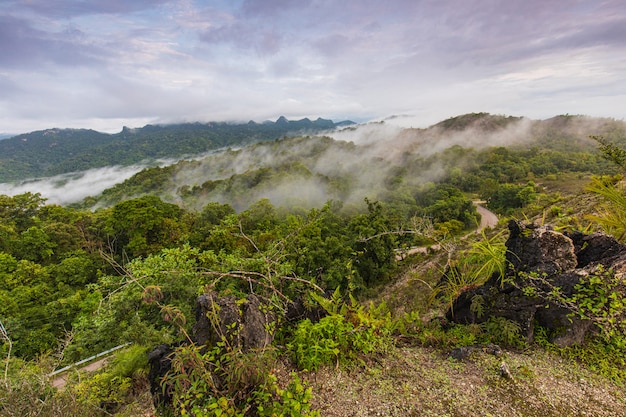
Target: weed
503, 331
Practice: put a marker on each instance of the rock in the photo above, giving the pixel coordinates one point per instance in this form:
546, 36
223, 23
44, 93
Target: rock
245, 325
297, 311
560, 261
160, 363
464, 352
542, 249
505, 372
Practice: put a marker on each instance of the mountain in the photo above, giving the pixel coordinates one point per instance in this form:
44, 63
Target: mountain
484, 121
56, 151
377, 161
339, 274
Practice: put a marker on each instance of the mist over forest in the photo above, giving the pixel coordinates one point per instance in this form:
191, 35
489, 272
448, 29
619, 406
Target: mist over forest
347, 163
263, 208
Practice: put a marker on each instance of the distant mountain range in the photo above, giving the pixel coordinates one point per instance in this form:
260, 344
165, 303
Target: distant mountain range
299, 163
377, 161
57, 151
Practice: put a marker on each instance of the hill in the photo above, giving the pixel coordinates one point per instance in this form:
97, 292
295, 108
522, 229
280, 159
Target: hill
377, 161
56, 151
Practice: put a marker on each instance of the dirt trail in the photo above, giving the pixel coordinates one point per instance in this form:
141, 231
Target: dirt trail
59, 381
488, 219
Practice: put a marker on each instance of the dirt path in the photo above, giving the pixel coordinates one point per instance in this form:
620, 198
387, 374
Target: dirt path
59, 381
488, 220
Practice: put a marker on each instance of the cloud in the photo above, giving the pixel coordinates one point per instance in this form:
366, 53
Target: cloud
138, 61
65, 8
271, 8
24, 46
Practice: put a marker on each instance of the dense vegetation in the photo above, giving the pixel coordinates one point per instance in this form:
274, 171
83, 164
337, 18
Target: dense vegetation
74, 282
57, 151
413, 180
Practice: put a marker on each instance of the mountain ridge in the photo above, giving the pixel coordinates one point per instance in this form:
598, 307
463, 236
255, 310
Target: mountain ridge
57, 151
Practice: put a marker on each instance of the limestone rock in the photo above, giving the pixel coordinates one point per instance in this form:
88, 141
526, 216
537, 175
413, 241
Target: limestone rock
562, 260
245, 325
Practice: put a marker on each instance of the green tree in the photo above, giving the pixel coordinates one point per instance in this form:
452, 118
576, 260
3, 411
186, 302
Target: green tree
20, 210
374, 244
510, 196
143, 225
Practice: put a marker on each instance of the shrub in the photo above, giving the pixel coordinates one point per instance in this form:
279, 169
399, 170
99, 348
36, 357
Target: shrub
348, 331
111, 387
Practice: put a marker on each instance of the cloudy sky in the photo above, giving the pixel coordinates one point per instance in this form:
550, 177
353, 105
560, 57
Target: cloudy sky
104, 64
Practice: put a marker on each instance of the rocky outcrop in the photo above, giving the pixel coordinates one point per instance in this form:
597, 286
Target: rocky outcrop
559, 261
160, 363
243, 325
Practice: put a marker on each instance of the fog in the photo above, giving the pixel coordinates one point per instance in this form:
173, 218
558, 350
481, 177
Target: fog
73, 187
347, 164
363, 156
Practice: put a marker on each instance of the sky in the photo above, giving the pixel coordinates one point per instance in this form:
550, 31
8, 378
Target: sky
108, 64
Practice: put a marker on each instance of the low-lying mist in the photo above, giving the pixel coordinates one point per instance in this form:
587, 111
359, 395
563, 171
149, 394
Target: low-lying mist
346, 164
74, 187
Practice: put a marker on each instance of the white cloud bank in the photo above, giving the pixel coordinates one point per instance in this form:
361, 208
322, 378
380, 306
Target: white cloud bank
73, 187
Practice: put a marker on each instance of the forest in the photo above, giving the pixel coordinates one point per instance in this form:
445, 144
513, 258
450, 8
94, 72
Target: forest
274, 220
57, 151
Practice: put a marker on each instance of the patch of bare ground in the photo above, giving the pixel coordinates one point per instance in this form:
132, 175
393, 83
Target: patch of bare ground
424, 382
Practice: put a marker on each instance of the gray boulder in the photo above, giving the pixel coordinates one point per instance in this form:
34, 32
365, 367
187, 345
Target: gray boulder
561, 261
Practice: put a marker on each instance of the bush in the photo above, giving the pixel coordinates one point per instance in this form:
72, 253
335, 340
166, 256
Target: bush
27, 392
337, 339
111, 387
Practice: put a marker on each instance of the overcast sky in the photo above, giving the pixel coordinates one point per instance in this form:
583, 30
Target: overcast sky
104, 64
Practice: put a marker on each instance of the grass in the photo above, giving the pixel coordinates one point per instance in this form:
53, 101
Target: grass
425, 382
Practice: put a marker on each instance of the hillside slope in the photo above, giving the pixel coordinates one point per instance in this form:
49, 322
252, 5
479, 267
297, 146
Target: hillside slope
57, 151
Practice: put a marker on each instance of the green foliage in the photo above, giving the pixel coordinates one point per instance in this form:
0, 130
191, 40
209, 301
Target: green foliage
445, 203
597, 354
484, 259
612, 215
320, 343
143, 226
488, 256
319, 246
227, 382
292, 401
124, 313
349, 331
611, 152
600, 298
506, 197
375, 245
103, 388
111, 386
502, 331
27, 393
435, 333
20, 211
